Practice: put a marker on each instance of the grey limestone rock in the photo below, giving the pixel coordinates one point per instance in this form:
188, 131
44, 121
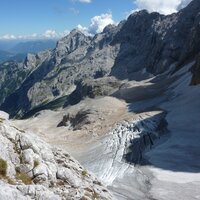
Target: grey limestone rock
35, 170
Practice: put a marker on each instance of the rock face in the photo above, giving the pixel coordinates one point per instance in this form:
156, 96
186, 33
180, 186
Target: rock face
144, 44
34, 170
196, 72
12, 76
154, 41
59, 72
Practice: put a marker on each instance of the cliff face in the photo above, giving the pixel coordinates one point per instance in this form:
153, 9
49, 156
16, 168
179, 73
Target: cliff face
144, 45
154, 41
196, 72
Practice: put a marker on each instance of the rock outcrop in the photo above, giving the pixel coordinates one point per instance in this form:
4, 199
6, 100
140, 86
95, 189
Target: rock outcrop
32, 169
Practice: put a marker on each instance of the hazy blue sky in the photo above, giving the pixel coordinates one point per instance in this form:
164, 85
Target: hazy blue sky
53, 18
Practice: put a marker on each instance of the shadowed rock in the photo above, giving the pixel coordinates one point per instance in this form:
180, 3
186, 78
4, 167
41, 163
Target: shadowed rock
196, 72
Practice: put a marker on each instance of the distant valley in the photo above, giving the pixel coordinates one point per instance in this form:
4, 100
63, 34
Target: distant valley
17, 50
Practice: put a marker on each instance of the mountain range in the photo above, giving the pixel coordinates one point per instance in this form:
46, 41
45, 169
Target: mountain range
17, 50
124, 103
144, 45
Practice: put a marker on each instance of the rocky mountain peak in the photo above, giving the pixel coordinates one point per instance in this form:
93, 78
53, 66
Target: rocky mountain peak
192, 6
71, 42
75, 31
155, 41
109, 28
140, 13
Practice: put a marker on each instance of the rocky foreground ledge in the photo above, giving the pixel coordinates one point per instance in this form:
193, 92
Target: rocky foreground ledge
32, 169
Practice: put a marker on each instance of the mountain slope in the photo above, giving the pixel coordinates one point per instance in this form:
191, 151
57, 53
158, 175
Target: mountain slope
32, 169
59, 73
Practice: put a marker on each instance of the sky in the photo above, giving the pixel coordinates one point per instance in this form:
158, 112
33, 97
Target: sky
33, 19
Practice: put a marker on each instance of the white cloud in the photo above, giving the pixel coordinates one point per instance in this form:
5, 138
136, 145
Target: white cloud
85, 1
34, 35
161, 6
84, 30
82, 1
64, 33
52, 34
48, 34
8, 37
98, 23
